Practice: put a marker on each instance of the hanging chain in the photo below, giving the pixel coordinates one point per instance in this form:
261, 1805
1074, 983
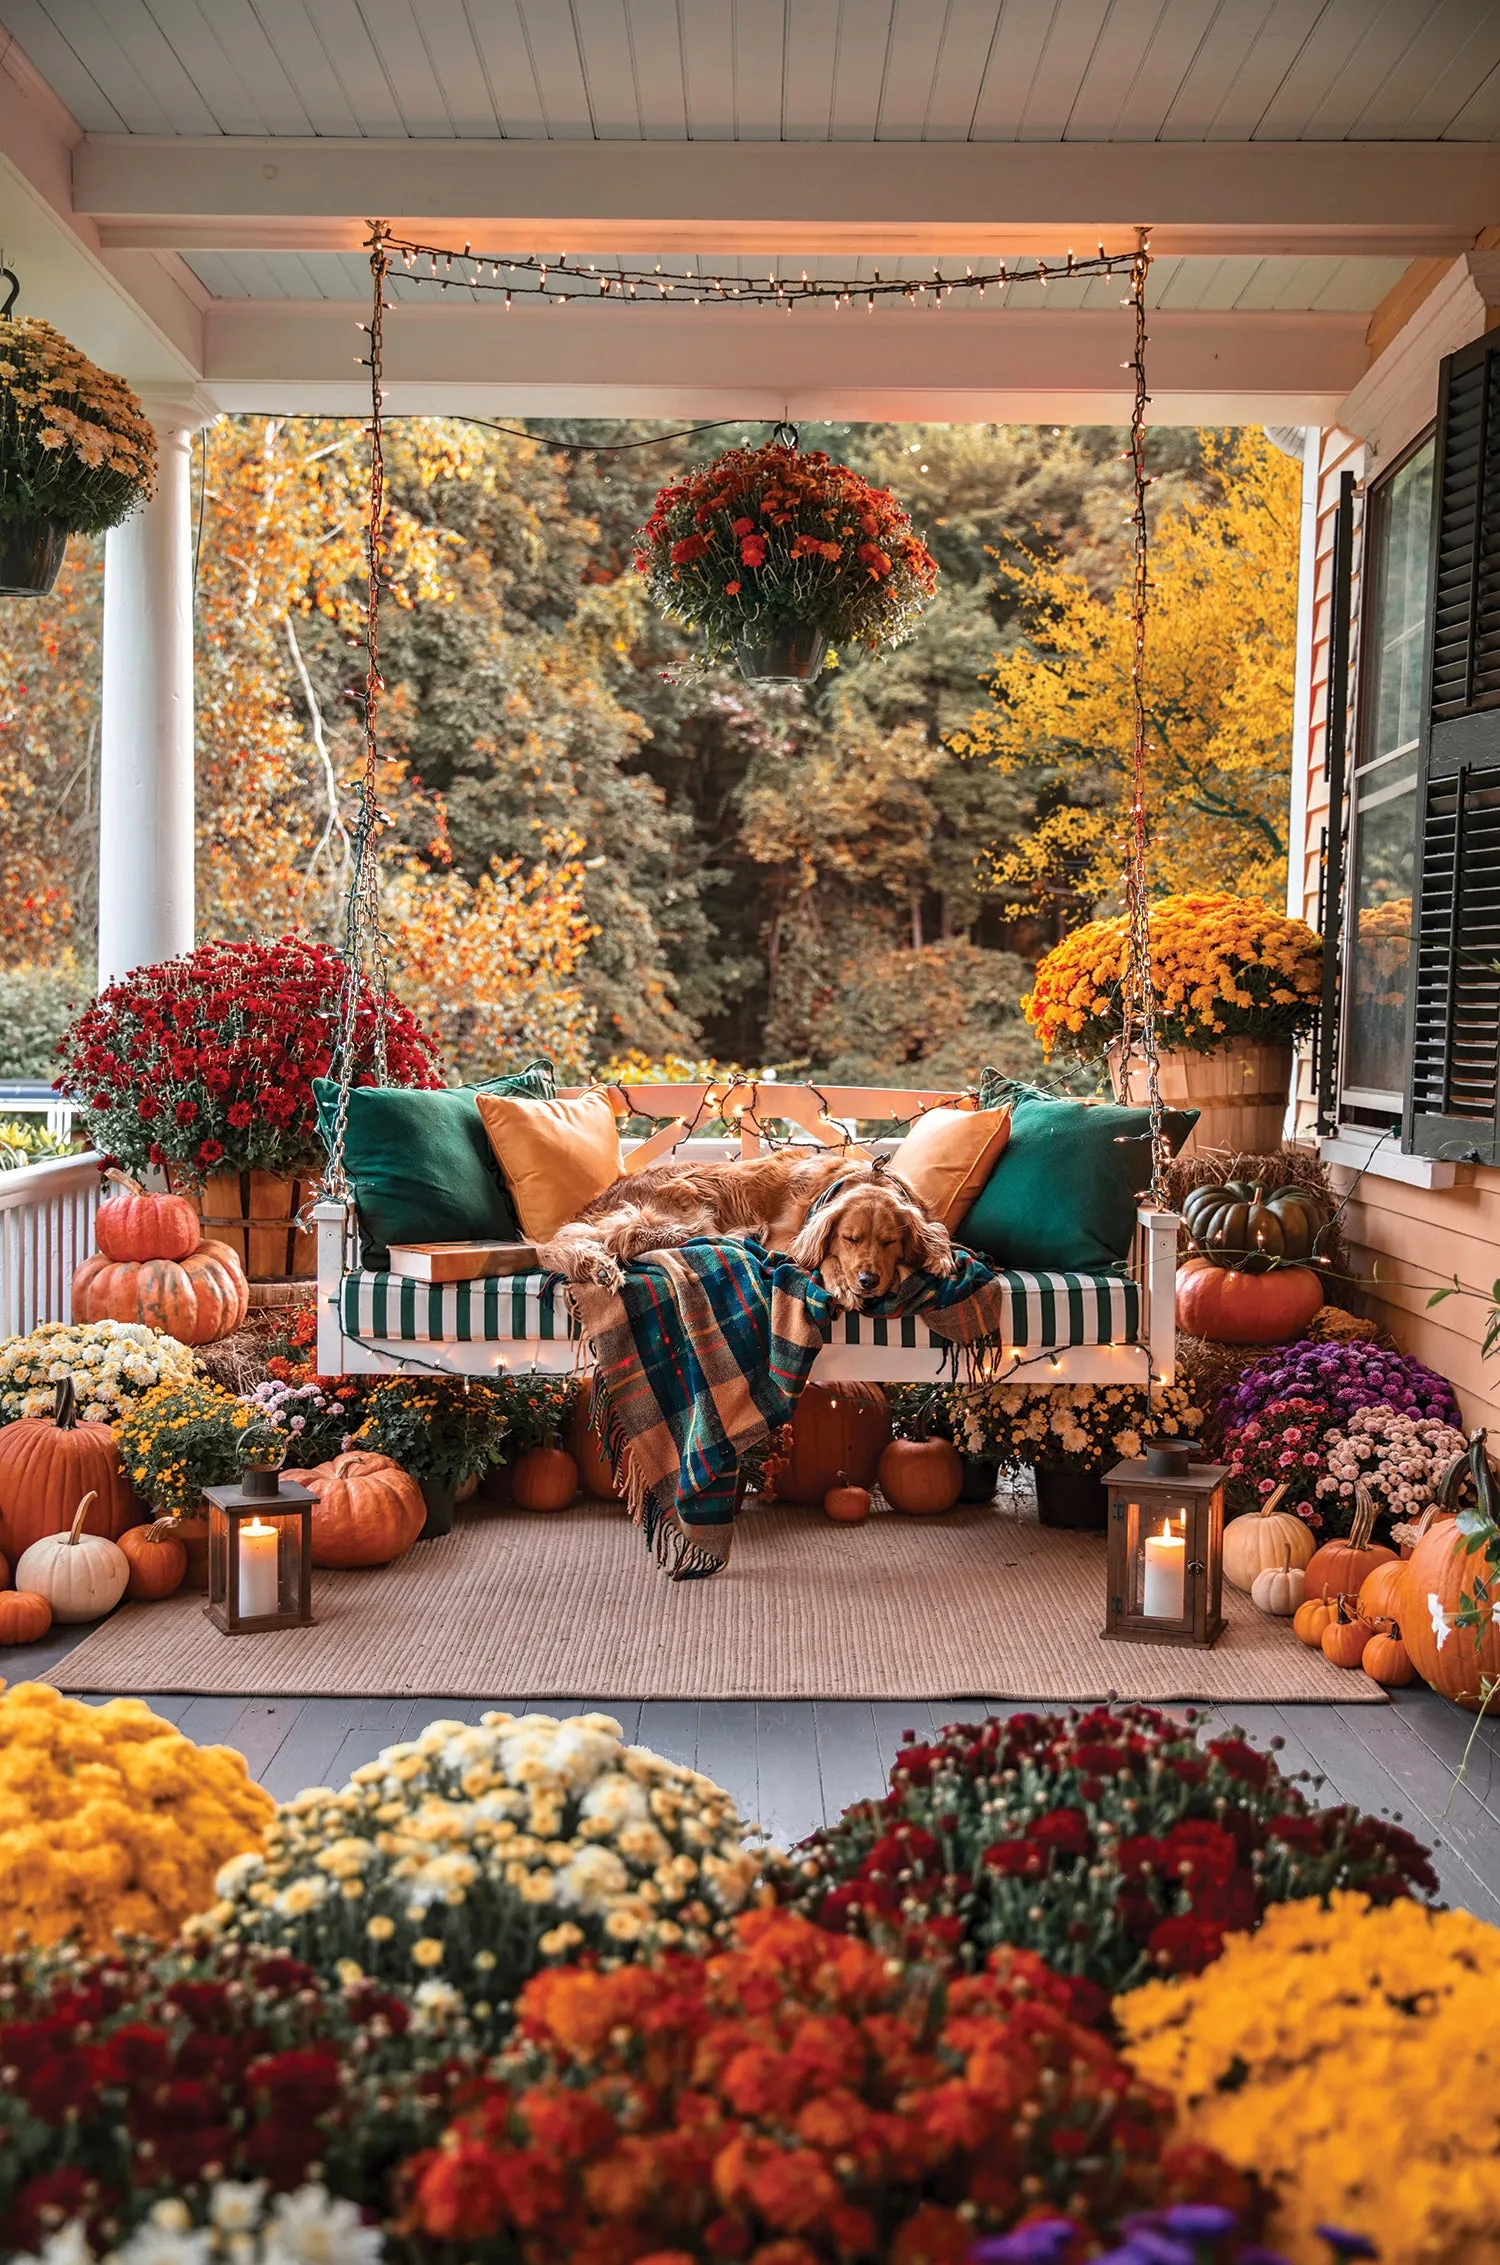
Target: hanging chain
1140, 988
364, 936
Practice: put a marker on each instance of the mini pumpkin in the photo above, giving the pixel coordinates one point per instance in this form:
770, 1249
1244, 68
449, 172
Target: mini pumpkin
1236, 1222
1345, 1637
847, 1505
1255, 1543
1341, 1568
366, 1510
923, 1477
158, 1562
544, 1478
195, 1299
25, 1617
1310, 1619
1278, 1589
46, 1463
137, 1225
1245, 1309
1386, 1660
81, 1575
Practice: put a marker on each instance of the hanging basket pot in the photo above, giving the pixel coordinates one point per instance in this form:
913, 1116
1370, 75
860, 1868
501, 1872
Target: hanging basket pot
31, 556
1240, 1092
258, 1215
792, 650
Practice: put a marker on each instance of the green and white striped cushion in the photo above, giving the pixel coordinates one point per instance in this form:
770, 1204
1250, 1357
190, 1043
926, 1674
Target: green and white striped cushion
1045, 1309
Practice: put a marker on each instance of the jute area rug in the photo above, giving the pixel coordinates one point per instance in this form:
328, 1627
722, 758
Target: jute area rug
979, 1604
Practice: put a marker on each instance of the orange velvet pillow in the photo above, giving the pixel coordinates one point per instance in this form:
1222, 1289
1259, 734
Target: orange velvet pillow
556, 1155
947, 1157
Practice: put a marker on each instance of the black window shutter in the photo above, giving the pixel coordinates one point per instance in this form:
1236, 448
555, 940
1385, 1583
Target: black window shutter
1453, 1098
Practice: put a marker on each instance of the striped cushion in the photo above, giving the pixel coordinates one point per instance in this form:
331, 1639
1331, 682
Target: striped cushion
1045, 1309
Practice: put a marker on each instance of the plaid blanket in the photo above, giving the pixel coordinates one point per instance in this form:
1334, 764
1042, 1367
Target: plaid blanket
701, 1355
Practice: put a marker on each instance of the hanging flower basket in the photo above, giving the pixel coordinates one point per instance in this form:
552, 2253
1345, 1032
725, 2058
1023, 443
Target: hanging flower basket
76, 453
775, 553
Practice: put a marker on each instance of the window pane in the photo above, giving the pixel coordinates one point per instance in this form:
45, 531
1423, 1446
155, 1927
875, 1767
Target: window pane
1397, 606
1380, 944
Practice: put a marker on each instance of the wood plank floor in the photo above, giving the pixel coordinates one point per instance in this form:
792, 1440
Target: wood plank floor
794, 1764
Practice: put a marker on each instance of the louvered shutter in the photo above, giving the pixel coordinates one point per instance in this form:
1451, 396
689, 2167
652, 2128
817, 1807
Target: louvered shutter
1453, 1104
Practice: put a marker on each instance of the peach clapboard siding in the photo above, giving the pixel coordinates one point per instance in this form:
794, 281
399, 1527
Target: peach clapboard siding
1405, 1241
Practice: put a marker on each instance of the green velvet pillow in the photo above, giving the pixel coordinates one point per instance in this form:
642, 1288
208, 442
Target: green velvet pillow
420, 1164
1063, 1195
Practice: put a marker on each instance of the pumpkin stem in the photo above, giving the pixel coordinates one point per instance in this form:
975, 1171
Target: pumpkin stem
84, 1507
65, 1406
124, 1180
1362, 1525
1273, 1498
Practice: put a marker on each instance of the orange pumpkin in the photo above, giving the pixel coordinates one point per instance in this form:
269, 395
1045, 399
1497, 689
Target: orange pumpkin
1246, 1309
1345, 1638
1386, 1660
4, 1574
25, 1617
366, 1510
195, 1299
1341, 1568
594, 1474
136, 1225
923, 1477
158, 1562
1382, 1594
544, 1478
847, 1505
839, 1433
1310, 1619
47, 1465
1441, 1566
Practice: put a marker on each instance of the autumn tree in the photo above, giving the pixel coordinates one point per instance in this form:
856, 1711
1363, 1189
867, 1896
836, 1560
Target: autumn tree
1220, 647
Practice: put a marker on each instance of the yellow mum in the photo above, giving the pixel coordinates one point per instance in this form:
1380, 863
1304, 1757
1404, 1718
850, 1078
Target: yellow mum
1351, 2057
111, 1819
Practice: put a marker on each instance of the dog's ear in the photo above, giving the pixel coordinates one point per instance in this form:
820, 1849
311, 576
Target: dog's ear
811, 1246
928, 1246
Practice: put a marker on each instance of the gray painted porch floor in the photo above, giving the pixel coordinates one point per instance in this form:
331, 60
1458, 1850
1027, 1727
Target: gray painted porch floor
794, 1764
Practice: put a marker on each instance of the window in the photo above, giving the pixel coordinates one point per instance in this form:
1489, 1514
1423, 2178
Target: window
1398, 558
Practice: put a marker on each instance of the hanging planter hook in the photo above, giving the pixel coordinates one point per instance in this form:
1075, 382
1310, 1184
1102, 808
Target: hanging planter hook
13, 293
784, 434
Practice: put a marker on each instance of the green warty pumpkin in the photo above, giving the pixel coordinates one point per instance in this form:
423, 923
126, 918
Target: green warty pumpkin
1238, 1225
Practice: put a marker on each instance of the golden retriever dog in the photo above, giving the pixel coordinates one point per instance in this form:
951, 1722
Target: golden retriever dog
850, 1223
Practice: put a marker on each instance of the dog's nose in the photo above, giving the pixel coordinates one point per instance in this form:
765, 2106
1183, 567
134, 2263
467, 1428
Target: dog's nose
867, 1278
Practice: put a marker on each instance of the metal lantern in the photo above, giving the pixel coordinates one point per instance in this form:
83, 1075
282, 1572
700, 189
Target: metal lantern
259, 1553
1166, 1547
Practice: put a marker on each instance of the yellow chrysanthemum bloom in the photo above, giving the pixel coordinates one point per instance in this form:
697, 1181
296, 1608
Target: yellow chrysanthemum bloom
111, 1819
1351, 2058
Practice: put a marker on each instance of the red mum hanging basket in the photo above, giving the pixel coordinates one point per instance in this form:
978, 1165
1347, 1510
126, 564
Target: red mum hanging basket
772, 554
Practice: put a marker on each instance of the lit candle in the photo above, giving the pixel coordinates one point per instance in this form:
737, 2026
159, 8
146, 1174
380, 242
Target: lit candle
1166, 1560
259, 1589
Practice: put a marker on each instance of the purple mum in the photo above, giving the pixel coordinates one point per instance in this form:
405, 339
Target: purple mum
1345, 1377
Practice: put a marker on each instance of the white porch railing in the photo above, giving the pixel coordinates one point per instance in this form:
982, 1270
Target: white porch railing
46, 1231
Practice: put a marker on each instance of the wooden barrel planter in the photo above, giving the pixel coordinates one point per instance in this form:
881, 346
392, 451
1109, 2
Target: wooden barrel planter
1240, 1091
255, 1213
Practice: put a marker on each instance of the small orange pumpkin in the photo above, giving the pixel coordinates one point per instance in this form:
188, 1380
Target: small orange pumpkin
1345, 1638
1341, 1568
923, 1477
195, 1299
136, 1225
366, 1510
1310, 1619
158, 1562
1382, 1593
544, 1478
25, 1617
47, 1463
1246, 1309
1386, 1660
847, 1505
594, 1474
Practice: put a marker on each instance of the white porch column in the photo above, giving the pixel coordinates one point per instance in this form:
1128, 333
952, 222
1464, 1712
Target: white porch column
146, 719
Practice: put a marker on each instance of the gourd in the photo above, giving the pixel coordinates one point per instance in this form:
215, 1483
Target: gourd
46, 1463
194, 1299
1442, 1567
1245, 1309
1236, 1222
1341, 1568
1345, 1638
838, 1436
923, 1477
136, 1225
25, 1617
1382, 1594
1310, 1619
366, 1510
544, 1478
1254, 1543
1278, 1590
81, 1575
847, 1505
157, 1561
594, 1474
1386, 1660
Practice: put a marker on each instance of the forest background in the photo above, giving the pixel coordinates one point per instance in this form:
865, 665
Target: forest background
596, 851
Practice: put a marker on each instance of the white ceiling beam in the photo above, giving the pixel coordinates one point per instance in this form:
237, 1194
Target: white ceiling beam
620, 361
1410, 199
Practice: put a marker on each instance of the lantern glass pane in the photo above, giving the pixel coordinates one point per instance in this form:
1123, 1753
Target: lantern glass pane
218, 1553
1159, 1561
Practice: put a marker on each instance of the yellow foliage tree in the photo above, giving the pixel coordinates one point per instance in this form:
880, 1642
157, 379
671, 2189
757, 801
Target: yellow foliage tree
1220, 646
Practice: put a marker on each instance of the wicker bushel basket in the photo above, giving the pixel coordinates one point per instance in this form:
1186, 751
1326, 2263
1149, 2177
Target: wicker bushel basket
1241, 1092
255, 1213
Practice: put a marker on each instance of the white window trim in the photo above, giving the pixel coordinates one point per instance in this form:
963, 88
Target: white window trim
1379, 1155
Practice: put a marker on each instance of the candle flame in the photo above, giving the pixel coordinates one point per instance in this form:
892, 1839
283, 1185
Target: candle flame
257, 1526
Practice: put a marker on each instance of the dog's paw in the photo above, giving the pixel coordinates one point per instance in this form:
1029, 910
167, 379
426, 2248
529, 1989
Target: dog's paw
602, 1268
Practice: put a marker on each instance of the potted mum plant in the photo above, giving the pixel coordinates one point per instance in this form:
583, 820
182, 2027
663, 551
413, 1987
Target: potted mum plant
774, 553
77, 453
204, 1065
1070, 1434
1236, 982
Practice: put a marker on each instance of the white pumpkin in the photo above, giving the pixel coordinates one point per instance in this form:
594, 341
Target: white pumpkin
1254, 1544
1280, 1588
81, 1575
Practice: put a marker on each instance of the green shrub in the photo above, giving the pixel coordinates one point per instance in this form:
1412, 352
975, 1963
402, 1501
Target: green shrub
36, 1005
